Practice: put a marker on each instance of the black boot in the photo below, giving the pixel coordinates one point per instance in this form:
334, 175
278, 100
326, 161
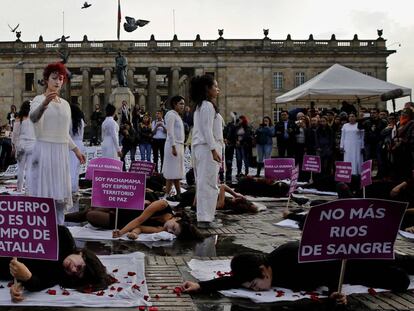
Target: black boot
259, 168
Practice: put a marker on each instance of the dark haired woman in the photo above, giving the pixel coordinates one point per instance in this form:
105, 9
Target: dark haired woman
51, 116
244, 143
11, 116
75, 268
173, 169
158, 217
206, 147
145, 135
23, 139
76, 132
110, 135
281, 268
264, 142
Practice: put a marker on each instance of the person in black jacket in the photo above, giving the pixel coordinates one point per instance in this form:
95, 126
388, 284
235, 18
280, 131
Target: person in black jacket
230, 139
286, 131
75, 268
281, 268
129, 142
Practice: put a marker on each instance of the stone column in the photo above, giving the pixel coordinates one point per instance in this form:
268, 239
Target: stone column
107, 83
152, 91
86, 92
130, 78
66, 91
173, 81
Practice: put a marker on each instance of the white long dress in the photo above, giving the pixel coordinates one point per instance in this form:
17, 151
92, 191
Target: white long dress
50, 159
205, 168
24, 140
173, 167
74, 162
110, 138
352, 142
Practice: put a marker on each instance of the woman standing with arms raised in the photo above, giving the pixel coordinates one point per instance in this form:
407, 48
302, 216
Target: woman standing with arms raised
207, 148
51, 116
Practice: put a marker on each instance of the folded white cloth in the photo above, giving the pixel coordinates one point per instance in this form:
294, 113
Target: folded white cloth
204, 270
129, 269
89, 232
406, 234
314, 191
287, 223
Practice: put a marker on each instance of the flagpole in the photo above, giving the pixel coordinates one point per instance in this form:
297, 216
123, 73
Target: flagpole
118, 33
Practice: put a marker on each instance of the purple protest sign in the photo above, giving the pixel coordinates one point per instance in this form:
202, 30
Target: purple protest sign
294, 180
280, 168
106, 164
118, 190
143, 167
343, 171
351, 229
311, 163
366, 173
28, 227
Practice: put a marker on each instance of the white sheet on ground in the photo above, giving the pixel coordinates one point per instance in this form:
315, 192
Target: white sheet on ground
204, 270
406, 234
124, 264
260, 207
287, 223
265, 199
315, 191
89, 232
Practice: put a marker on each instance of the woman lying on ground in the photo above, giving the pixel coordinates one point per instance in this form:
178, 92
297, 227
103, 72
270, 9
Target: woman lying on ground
281, 268
262, 187
237, 204
105, 217
158, 217
75, 268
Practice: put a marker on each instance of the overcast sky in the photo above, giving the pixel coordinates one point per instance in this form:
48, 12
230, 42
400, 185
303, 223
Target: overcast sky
238, 18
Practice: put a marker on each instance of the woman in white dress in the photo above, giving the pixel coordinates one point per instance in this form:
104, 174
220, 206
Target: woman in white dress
76, 132
110, 135
50, 160
206, 149
23, 139
173, 168
352, 144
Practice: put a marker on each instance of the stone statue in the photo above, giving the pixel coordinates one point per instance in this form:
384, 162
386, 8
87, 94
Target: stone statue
121, 69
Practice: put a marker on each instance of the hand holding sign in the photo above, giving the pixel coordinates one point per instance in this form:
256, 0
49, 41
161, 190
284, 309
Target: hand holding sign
16, 292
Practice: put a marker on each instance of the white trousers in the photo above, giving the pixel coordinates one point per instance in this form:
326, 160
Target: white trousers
24, 163
206, 174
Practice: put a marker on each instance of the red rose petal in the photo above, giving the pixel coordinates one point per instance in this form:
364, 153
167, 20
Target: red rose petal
142, 308
164, 286
143, 282
111, 295
119, 289
372, 291
101, 293
146, 297
88, 289
115, 270
131, 273
113, 288
51, 292
157, 297
153, 309
135, 286
65, 293
280, 293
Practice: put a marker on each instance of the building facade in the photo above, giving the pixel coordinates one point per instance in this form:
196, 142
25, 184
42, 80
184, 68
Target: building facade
251, 73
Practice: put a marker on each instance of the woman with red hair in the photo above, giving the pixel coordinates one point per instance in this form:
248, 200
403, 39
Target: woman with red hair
51, 116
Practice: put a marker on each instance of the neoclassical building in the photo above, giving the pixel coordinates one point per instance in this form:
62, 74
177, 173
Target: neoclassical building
251, 72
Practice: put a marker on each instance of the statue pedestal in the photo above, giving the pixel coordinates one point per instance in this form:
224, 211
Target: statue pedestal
120, 94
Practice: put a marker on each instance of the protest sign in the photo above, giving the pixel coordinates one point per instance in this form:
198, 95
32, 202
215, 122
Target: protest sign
28, 227
311, 164
280, 168
351, 229
106, 164
118, 190
343, 171
294, 180
366, 173
143, 167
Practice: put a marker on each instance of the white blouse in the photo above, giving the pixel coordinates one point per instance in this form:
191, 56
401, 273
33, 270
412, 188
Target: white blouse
175, 128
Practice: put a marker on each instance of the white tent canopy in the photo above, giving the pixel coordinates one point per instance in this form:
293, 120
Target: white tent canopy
340, 83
